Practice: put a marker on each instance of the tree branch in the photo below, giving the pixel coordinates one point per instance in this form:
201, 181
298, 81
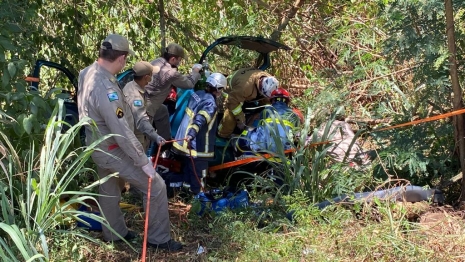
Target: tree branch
285, 19
193, 36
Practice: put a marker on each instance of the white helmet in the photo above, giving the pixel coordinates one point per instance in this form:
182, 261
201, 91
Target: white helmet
269, 84
217, 80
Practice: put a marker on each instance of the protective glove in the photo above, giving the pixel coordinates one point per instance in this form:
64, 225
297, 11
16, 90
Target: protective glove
149, 170
160, 141
196, 68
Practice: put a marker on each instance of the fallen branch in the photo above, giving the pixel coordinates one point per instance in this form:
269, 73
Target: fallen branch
450, 181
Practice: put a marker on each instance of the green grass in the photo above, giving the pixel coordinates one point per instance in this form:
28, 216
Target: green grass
378, 232
333, 235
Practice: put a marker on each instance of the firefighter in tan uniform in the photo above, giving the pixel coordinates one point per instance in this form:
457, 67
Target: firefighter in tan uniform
135, 95
101, 99
247, 84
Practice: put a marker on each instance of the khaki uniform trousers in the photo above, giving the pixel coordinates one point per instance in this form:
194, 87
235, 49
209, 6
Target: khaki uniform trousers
159, 223
161, 122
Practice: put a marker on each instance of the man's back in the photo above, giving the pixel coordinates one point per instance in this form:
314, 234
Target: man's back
164, 77
101, 99
245, 82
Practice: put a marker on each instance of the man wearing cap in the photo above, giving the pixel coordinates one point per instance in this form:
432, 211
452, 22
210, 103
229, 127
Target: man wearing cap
165, 74
135, 94
101, 99
247, 84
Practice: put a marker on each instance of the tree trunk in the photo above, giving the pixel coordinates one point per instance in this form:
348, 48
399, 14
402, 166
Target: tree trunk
457, 101
161, 10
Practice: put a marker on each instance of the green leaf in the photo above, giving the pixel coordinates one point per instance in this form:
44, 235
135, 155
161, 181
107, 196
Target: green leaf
17, 96
35, 186
17, 237
33, 107
18, 127
5, 78
27, 124
20, 87
13, 28
7, 44
40, 102
12, 69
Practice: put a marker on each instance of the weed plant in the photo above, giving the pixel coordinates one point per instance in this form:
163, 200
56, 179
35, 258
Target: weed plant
35, 196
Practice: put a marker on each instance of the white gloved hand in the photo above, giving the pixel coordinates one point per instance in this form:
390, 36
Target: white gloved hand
149, 170
196, 68
160, 141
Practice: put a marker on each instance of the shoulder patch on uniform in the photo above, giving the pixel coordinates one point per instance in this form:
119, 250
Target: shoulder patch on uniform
138, 103
196, 97
112, 96
119, 112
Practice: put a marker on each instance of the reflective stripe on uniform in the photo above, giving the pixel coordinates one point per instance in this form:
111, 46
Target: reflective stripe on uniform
195, 127
205, 114
184, 149
191, 152
210, 126
236, 111
285, 122
190, 113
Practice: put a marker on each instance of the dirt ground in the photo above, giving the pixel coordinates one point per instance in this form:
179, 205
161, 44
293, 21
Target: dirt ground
135, 221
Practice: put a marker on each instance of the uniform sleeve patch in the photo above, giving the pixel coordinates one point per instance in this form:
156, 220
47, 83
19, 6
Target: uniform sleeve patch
119, 112
196, 97
138, 103
112, 96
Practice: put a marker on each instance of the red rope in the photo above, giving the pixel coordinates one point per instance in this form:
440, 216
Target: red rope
147, 208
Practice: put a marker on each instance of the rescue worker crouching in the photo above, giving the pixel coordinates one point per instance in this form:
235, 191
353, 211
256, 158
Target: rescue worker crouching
197, 132
247, 84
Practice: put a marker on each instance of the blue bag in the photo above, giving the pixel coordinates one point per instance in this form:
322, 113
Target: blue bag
94, 225
217, 200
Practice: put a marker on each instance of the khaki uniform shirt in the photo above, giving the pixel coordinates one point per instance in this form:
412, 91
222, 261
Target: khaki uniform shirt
101, 99
143, 124
243, 87
163, 77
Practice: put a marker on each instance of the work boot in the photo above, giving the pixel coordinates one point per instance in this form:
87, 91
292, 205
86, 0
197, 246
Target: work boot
171, 246
129, 236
